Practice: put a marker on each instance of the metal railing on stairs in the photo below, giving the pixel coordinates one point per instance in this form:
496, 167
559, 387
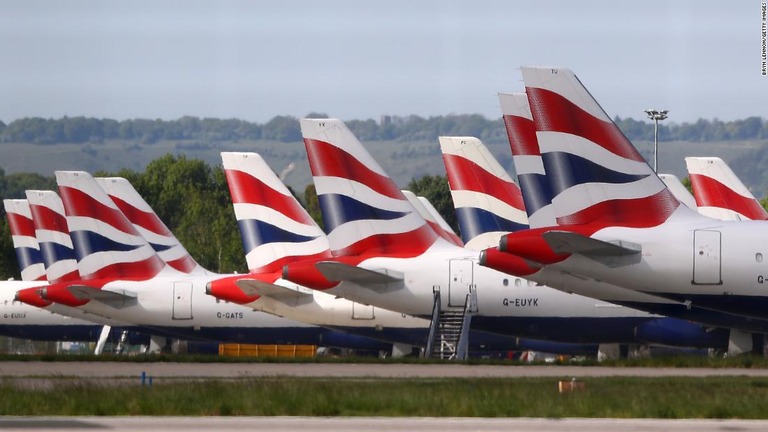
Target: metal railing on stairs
449, 332
435, 320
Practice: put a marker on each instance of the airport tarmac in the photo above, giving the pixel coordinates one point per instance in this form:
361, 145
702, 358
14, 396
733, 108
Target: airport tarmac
244, 370
370, 424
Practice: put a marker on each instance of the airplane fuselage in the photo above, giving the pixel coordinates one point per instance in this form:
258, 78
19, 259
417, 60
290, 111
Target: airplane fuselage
719, 265
505, 304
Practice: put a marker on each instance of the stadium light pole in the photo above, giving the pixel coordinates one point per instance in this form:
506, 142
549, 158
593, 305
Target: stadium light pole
656, 115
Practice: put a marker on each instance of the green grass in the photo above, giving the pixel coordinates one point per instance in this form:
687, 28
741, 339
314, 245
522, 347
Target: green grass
717, 397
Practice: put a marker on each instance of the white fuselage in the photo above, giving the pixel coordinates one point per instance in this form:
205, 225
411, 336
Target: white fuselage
178, 303
18, 319
454, 271
319, 308
720, 265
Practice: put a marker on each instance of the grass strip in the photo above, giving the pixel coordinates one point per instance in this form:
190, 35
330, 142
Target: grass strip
712, 397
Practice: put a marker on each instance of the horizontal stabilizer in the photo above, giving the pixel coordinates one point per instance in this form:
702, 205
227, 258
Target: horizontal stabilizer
117, 298
253, 287
336, 271
569, 242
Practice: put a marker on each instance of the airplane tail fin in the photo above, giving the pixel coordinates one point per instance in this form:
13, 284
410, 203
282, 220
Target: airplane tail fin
720, 193
363, 209
437, 217
52, 233
149, 225
25, 243
447, 234
275, 229
488, 202
679, 190
526, 155
597, 176
106, 243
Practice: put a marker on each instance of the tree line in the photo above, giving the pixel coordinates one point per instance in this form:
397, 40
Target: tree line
192, 199
286, 129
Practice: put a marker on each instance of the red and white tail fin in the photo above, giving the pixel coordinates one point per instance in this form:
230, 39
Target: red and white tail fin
149, 225
719, 193
52, 234
678, 190
526, 155
363, 209
274, 227
488, 203
597, 176
437, 217
106, 243
447, 235
24, 241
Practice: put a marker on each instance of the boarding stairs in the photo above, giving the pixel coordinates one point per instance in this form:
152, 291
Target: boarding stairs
449, 332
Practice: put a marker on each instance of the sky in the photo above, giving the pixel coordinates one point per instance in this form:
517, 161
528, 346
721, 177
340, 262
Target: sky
254, 60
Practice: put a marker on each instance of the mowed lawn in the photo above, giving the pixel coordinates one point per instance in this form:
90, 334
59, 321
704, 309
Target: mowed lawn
712, 397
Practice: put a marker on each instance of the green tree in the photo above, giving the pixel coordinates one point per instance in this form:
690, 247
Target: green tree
313, 204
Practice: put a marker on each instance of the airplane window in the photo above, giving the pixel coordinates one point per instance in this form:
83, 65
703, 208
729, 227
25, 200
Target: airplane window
759, 257
518, 282
505, 282
531, 283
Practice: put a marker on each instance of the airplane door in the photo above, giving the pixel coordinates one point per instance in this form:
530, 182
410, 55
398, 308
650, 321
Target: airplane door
706, 257
182, 300
362, 312
460, 282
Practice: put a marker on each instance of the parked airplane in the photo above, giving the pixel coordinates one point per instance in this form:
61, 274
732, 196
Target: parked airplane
21, 320
123, 278
527, 157
470, 160
385, 254
719, 193
276, 230
617, 221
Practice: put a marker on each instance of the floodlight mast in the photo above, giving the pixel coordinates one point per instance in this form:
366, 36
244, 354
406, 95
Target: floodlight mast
656, 115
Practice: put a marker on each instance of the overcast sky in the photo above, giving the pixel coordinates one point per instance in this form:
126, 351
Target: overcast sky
360, 59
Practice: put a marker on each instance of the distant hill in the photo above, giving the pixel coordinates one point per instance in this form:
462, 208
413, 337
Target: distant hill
406, 147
